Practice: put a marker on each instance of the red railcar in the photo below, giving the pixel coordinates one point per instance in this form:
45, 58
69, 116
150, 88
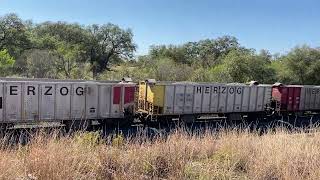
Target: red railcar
287, 97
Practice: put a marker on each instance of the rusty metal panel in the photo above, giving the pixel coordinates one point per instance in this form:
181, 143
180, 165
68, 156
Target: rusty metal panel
13, 101
179, 94
47, 101
31, 101
169, 99
105, 96
78, 101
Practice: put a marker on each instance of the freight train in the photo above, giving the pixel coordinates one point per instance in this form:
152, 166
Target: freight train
77, 103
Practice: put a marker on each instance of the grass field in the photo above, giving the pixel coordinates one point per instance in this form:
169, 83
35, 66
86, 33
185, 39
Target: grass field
231, 154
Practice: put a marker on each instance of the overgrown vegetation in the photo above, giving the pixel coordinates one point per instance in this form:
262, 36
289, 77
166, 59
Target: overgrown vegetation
229, 154
66, 50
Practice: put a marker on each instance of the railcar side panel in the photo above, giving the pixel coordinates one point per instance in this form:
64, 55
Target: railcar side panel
92, 101
238, 99
318, 98
178, 99
312, 98
230, 98
105, 100
214, 99
129, 94
302, 99
117, 105
31, 101
260, 98
307, 98
253, 98
197, 104
188, 99
47, 102
222, 98
78, 101
296, 98
169, 99
245, 99
206, 101
2, 102
13, 101
63, 108
267, 96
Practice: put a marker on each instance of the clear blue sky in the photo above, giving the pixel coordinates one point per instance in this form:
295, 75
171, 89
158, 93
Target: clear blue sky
276, 25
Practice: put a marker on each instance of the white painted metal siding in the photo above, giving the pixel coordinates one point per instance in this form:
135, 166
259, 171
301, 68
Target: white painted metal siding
253, 98
214, 98
179, 99
63, 100
169, 99
302, 99
31, 101
197, 101
91, 100
78, 99
260, 99
13, 101
245, 99
238, 98
188, 99
230, 98
222, 98
47, 105
105, 100
206, 99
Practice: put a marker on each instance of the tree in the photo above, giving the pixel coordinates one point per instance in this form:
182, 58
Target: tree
302, 65
39, 64
245, 65
13, 36
6, 62
68, 58
109, 43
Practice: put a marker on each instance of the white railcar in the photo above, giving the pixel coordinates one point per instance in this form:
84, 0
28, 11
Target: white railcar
53, 100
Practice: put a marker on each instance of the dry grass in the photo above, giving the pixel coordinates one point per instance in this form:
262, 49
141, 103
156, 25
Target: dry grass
224, 155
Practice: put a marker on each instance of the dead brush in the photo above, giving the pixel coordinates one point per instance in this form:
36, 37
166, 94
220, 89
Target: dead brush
223, 154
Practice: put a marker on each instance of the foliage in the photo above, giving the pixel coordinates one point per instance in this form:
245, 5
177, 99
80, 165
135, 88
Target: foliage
6, 62
109, 43
72, 51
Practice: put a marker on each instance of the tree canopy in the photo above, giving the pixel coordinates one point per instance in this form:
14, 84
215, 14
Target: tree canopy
107, 51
